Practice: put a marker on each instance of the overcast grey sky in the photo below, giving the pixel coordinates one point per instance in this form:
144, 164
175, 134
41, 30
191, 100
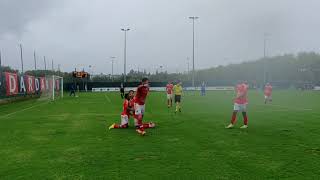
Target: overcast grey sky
79, 33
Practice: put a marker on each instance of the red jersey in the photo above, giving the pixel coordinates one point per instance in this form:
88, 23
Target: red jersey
125, 108
141, 94
169, 88
242, 90
131, 103
268, 90
127, 105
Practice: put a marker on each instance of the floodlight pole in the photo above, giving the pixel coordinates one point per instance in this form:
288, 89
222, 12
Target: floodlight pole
0, 60
125, 55
52, 68
188, 64
265, 35
45, 63
35, 60
0, 63
193, 18
21, 58
112, 61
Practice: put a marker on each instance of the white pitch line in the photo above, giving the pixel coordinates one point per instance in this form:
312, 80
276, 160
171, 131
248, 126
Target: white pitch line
108, 98
22, 110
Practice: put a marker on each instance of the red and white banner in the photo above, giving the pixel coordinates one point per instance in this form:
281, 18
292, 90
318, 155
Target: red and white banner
27, 84
57, 84
11, 84
30, 84
50, 84
42, 84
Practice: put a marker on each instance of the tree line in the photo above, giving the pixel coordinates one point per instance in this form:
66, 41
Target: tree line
303, 67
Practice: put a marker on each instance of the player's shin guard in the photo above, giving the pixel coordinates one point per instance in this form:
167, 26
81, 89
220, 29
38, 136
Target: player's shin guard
178, 107
245, 118
138, 121
124, 126
148, 125
234, 118
117, 126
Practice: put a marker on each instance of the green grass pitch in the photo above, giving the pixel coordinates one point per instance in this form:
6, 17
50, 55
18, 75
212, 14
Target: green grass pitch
68, 139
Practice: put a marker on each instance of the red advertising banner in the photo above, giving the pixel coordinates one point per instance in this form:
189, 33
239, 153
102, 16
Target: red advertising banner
42, 84
37, 84
30, 82
11, 84
58, 84
50, 84
27, 84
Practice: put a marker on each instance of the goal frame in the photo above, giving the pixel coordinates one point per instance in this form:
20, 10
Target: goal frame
54, 77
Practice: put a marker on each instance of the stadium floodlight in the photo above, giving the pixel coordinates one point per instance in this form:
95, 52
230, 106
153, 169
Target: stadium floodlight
112, 61
21, 57
265, 37
188, 67
35, 60
193, 18
52, 66
0, 60
45, 63
125, 54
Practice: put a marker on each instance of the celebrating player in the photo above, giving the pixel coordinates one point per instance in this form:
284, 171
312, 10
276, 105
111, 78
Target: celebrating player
169, 89
126, 112
139, 107
267, 93
177, 95
240, 104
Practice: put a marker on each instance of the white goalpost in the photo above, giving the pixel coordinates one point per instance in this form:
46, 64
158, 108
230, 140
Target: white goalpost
57, 87
52, 87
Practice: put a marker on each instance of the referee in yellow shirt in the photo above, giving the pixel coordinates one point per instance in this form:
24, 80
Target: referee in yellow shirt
177, 89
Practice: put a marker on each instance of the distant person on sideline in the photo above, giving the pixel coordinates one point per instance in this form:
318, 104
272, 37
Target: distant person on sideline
72, 90
203, 89
122, 91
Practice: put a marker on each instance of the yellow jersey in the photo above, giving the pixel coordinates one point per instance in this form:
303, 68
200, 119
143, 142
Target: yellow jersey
177, 89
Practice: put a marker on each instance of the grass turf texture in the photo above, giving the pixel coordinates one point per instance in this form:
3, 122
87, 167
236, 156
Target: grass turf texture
68, 139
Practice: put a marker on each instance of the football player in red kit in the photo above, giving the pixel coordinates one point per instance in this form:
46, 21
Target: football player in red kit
126, 112
169, 89
267, 93
240, 105
139, 107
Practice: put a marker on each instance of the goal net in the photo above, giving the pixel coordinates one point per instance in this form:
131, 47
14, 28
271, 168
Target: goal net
51, 87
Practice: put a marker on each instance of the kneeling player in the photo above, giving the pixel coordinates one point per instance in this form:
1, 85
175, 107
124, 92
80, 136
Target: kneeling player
240, 105
126, 112
267, 93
